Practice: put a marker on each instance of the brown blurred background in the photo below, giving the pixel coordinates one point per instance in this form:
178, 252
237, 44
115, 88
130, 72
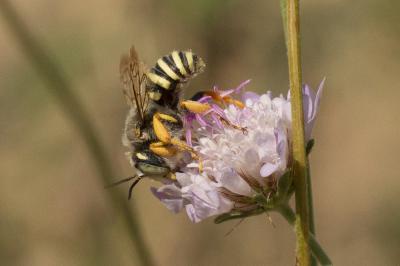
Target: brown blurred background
53, 207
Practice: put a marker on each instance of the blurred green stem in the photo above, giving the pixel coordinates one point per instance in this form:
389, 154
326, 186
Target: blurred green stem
283, 4
316, 249
310, 201
57, 84
291, 23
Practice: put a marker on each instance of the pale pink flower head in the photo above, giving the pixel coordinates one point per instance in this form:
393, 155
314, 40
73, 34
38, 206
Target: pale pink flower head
239, 166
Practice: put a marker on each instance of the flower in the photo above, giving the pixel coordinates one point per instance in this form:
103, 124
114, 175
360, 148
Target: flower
237, 165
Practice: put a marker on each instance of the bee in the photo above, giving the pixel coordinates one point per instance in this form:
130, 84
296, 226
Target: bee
153, 128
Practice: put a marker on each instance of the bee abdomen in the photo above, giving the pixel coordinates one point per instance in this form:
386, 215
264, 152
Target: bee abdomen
173, 69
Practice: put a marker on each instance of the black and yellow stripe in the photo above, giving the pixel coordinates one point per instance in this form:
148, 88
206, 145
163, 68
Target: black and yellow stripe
171, 71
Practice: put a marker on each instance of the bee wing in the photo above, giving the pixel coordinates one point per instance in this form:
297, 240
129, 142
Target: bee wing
133, 77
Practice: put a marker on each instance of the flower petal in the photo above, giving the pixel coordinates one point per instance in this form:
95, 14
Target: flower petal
268, 169
170, 196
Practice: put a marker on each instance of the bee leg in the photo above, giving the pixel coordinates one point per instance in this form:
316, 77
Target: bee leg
181, 145
162, 150
227, 123
223, 99
159, 129
165, 137
199, 108
195, 107
184, 147
235, 102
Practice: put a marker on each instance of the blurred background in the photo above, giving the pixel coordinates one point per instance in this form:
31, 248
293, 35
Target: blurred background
53, 205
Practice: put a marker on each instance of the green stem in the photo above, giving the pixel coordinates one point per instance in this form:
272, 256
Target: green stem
283, 4
57, 84
299, 153
316, 249
310, 201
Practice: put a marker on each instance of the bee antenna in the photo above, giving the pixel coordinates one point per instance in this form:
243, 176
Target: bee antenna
121, 181
132, 186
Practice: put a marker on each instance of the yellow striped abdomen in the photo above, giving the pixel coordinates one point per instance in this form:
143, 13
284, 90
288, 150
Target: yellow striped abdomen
171, 72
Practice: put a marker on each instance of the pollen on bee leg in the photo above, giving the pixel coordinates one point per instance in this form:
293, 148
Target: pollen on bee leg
195, 107
182, 145
160, 130
166, 117
235, 102
159, 148
214, 95
224, 99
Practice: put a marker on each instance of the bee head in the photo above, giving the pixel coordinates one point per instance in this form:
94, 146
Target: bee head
149, 163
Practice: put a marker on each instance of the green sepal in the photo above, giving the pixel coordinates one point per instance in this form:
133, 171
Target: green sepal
284, 184
309, 146
261, 199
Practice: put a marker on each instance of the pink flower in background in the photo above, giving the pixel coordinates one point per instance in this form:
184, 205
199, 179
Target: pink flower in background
237, 164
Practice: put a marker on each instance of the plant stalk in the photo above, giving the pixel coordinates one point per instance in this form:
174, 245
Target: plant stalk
59, 85
317, 251
299, 153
